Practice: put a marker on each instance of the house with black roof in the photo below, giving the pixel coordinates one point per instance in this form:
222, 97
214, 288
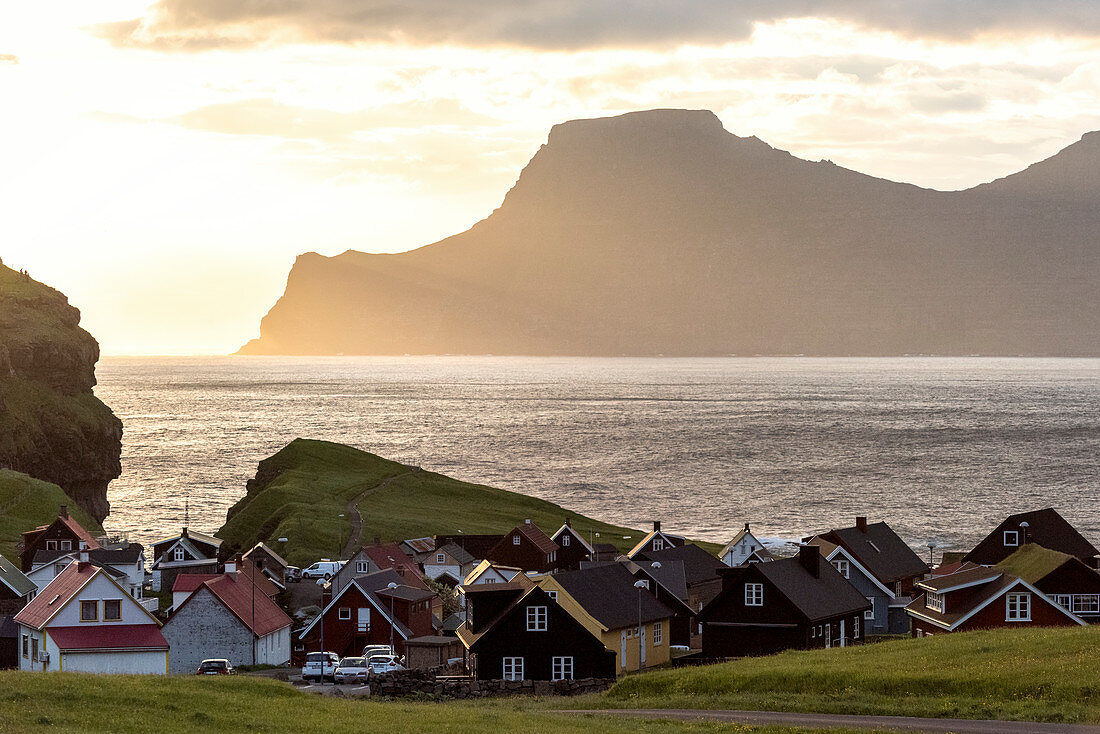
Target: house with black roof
573, 549
526, 547
881, 551
793, 603
656, 540
517, 631
701, 573
1044, 527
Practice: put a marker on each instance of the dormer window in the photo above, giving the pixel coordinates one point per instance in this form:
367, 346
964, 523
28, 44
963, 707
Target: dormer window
934, 601
1012, 538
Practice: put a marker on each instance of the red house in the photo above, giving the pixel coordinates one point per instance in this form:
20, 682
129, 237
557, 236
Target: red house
368, 612
63, 534
983, 598
1044, 527
526, 547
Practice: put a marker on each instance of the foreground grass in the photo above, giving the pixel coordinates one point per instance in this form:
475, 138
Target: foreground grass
1026, 675
26, 503
68, 702
301, 492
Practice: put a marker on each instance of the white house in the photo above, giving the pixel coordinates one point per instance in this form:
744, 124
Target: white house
744, 548
450, 562
84, 620
125, 563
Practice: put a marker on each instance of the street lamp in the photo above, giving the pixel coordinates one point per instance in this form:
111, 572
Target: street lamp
930, 547
640, 585
391, 586
257, 567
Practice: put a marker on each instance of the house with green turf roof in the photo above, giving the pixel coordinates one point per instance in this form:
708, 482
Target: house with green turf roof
1066, 579
16, 590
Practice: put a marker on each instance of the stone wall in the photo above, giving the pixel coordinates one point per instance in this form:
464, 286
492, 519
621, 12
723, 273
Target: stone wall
203, 628
417, 682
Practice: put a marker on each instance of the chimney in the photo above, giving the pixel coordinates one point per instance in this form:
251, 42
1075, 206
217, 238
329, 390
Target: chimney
527, 521
233, 565
326, 595
861, 524
568, 523
82, 556
656, 526
184, 533
82, 565
746, 527
64, 511
809, 556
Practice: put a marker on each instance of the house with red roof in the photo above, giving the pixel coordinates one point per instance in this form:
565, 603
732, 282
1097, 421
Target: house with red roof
63, 534
526, 547
226, 616
375, 558
84, 620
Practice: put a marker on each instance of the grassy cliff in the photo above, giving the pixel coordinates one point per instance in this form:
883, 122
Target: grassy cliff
26, 503
301, 492
1028, 675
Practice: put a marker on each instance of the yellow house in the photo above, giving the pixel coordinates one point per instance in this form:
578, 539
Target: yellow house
630, 621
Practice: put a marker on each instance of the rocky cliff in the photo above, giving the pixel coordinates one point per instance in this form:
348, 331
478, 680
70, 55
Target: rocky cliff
51, 425
660, 232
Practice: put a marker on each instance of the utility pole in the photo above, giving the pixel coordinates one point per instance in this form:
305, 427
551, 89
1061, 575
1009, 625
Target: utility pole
640, 586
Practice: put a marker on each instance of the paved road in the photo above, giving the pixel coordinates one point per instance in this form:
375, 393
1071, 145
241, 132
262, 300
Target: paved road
879, 723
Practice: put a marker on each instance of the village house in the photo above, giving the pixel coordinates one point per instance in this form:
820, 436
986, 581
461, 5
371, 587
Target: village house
450, 564
667, 581
627, 618
983, 598
887, 612
744, 548
1043, 527
477, 546
517, 631
792, 603
1062, 577
16, 592
188, 552
226, 617
273, 564
881, 552
374, 558
573, 549
63, 534
418, 549
526, 547
86, 621
128, 560
701, 573
656, 540
367, 611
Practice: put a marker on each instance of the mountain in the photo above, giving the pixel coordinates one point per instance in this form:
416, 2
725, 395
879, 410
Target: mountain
660, 232
51, 425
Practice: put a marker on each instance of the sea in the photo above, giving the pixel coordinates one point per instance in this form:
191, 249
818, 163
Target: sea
940, 448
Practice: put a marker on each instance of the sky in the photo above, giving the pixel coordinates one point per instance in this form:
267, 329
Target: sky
163, 164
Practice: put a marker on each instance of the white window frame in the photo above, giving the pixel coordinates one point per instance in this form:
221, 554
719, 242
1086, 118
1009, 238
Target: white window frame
855, 628
536, 619
935, 602
1015, 534
843, 567
512, 669
440, 558
754, 595
870, 613
658, 544
1063, 600
1085, 604
66, 545
179, 554
565, 541
51, 545
561, 668
343, 613
658, 633
1018, 607
552, 594
515, 540
362, 567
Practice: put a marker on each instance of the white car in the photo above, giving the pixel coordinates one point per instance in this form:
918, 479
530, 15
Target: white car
379, 664
350, 669
320, 665
371, 650
324, 569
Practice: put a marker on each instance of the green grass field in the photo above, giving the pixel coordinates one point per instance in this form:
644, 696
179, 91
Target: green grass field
26, 503
1030, 675
67, 702
306, 486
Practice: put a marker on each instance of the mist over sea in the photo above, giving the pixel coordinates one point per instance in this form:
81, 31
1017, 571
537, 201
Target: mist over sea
942, 449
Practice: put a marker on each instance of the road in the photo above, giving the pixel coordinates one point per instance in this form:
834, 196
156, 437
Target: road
873, 723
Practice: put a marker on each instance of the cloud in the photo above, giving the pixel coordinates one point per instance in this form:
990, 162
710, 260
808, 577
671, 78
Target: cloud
9, 59
197, 25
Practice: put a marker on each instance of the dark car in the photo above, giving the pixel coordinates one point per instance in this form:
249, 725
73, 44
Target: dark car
216, 667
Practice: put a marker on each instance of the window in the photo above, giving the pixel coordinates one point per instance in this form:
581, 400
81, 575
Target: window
362, 567
440, 557
178, 554
658, 544
66, 545
934, 601
870, 613
658, 633
344, 613
1018, 608
536, 619
553, 595
920, 632
89, 611
513, 668
34, 648
565, 540
515, 540
1063, 600
754, 595
841, 565
112, 610
26, 646
51, 545
562, 668
1012, 537
855, 628
1086, 603
813, 632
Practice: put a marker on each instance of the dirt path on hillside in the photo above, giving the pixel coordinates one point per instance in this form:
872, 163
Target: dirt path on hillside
355, 541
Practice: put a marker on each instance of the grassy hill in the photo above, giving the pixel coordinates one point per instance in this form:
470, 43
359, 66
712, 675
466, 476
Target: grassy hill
301, 492
1030, 675
26, 503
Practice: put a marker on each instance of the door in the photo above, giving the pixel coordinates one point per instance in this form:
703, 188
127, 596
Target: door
363, 619
622, 653
829, 635
843, 642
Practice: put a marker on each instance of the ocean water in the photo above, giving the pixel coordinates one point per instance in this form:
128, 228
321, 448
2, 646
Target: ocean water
942, 449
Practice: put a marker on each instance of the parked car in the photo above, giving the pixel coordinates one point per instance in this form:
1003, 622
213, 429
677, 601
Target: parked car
351, 669
320, 665
216, 666
380, 664
371, 650
324, 569
293, 574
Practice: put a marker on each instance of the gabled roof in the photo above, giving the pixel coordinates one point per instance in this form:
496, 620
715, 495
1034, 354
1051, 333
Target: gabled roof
237, 596
699, 566
264, 585
127, 556
368, 585
607, 593
818, 597
879, 550
669, 574
187, 582
457, 552
960, 580
70, 522
1045, 527
13, 578
201, 537
519, 592
573, 533
962, 609
534, 534
59, 592
390, 555
485, 566
670, 541
761, 551
836, 552
1033, 562
420, 545
109, 637
198, 556
948, 568
270, 552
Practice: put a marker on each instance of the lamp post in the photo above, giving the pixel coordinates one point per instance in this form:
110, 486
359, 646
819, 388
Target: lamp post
640, 585
257, 567
930, 547
391, 586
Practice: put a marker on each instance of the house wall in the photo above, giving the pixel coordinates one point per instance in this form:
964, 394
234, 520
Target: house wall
1072, 577
343, 637
28, 663
435, 570
570, 556
884, 622
10, 602
100, 588
202, 629
526, 555
116, 663
56, 531
741, 550
273, 648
